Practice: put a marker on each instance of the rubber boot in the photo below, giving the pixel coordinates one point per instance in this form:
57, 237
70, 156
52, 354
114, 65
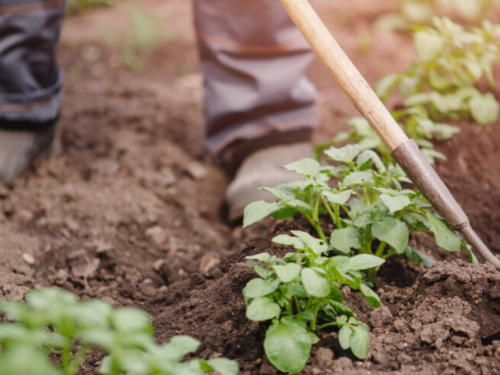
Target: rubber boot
19, 148
263, 168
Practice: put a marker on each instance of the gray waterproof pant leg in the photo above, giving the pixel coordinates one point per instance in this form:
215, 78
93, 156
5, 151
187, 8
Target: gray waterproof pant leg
254, 60
30, 81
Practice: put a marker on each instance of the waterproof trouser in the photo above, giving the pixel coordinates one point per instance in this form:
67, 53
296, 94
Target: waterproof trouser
252, 57
30, 82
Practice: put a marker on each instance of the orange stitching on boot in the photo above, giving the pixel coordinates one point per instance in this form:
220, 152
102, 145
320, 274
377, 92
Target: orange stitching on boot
249, 48
24, 107
27, 8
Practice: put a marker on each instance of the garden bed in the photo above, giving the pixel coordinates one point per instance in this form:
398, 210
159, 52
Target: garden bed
131, 213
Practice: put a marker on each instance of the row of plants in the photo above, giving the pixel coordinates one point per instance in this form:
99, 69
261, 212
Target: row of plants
367, 199
420, 12
440, 85
372, 215
53, 326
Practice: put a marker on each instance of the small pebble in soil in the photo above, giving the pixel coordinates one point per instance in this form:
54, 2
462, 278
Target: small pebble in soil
156, 235
29, 259
197, 170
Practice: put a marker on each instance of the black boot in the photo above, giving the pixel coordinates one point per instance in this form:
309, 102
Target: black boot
20, 147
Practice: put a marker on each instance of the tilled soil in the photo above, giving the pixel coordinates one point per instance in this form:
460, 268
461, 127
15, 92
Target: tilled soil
130, 211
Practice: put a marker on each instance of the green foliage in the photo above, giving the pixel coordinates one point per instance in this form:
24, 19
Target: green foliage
420, 12
53, 321
301, 295
79, 6
146, 31
372, 215
371, 211
440, 85
451, 60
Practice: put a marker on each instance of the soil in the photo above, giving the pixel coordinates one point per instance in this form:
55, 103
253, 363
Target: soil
131, 212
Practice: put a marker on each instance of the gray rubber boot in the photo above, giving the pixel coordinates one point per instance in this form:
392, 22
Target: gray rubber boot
19, 148
263, 168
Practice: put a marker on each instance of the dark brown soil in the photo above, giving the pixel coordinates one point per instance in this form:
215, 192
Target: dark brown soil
130, 212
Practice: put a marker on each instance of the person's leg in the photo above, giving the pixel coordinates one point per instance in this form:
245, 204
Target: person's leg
30, 81
256, 94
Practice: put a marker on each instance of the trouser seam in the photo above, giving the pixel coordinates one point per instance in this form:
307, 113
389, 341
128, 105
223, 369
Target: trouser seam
29, 8
235, 46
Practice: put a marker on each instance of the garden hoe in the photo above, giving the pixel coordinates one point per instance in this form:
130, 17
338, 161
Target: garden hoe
404, 151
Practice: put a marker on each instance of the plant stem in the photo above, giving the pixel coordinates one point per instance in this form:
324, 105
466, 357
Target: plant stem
327, 325
297, 304
367, 196
380, 249
66, 359
78, 359
338, 223
317, 227
313, 322
332, 215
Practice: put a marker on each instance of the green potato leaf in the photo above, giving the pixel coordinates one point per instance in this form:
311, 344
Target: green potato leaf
262, 272
337, 198
262, 309
316, 285
484, 109
280, 193
223, 366
316, 245
396, 203
257, 211
259, 288
360, 342
392, 231
288, 345
364, 262
345, 334
285, 239
428, 45
129, 319
344, 154
445, 237
346, 239
371, 297
287, 273
305, 167
357, 178
24, 360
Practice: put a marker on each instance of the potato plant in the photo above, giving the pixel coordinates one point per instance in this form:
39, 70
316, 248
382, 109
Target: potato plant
301, 294
450, 61
440, 85
373, 216
54, 322
420, 12
371, 211
414, 121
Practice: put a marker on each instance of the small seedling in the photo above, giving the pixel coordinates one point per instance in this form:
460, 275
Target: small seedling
54, 322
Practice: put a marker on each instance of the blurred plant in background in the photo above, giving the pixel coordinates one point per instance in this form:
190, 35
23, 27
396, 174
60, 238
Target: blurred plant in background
420, 12
146, 31
79, 6
440, 85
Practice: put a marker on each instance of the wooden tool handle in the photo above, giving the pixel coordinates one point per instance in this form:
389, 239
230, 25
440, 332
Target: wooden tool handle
345, 73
